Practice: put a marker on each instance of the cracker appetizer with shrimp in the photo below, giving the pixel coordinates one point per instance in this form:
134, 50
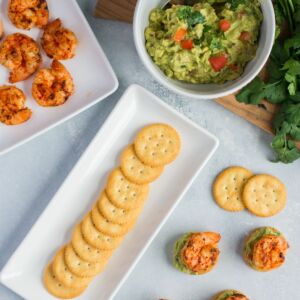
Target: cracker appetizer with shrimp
26, 14
265, 249
20, 54
230, 295
59, 42
196, 253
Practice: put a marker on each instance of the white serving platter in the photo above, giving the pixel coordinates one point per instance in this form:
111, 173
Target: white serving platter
137, 108
93, 76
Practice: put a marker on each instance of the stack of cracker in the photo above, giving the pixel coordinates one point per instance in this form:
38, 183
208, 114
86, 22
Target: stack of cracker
116, 211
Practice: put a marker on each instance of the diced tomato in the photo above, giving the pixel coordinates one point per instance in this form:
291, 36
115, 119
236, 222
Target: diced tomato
179, 35
233, 67
187, 44
224, 25
218, 62
245, 36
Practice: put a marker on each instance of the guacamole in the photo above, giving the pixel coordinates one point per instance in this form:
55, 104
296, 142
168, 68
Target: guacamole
210, 42
177, 262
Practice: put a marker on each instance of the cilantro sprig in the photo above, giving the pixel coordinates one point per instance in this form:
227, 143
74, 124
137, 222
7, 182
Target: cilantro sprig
283, 84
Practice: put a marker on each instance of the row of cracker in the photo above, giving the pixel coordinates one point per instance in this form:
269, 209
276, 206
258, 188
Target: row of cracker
114, 214
237, 188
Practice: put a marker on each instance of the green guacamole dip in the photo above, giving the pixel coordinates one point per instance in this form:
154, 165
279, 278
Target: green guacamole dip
210, 42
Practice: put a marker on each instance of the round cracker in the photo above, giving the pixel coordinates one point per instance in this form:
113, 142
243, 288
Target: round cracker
157, 145
57, 289
264, 195
80, 267
97, 238
115, 214
228, 188
123, 193
107, 227
135, 171
86, 251
64, 274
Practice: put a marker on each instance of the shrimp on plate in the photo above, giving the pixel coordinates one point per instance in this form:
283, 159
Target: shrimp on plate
12, 106
21, 55
52, 86
26, 14
201, 252
59, 42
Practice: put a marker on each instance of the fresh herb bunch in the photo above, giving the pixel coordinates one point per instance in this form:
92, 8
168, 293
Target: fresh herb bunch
283, 84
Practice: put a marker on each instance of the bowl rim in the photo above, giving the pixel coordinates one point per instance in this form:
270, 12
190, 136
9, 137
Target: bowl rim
166, 81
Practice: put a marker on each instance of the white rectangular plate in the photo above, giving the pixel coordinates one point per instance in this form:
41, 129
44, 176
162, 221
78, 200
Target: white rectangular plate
137, 107
93, 76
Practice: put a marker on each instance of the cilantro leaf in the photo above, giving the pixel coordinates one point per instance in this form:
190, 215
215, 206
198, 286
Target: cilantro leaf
215, 44
184, 12
275, 92
257, 90
252, 93
292, 66
288, 153
195, 18
192, 17
292, 79
235, 3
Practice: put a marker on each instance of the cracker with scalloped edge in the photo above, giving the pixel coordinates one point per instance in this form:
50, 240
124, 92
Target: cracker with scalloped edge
228, 188
264, 195
157, 144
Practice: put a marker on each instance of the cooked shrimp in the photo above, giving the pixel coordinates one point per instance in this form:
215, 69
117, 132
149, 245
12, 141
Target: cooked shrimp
1, 29
21, 55
237, 297
269, 252
53, 86
201, 252
58, 42
12, 106
26, 14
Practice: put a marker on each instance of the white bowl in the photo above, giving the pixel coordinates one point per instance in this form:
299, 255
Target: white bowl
205, 91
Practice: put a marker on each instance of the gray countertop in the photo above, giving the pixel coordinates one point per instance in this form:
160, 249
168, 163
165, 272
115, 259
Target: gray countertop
31, 174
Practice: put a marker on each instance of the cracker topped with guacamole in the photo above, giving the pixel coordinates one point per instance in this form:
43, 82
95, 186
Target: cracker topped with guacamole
265, 249
210, 42
196, 253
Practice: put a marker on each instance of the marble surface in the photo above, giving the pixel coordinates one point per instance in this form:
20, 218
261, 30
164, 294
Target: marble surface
31, 174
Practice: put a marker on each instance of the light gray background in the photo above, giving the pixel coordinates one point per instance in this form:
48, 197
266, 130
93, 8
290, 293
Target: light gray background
31, 174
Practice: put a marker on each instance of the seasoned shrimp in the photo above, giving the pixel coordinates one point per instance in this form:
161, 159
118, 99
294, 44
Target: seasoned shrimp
53, 86
12, 106
58, 42
26, 14
269, 252
1, 29
21, 55
201, 251
237, 297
